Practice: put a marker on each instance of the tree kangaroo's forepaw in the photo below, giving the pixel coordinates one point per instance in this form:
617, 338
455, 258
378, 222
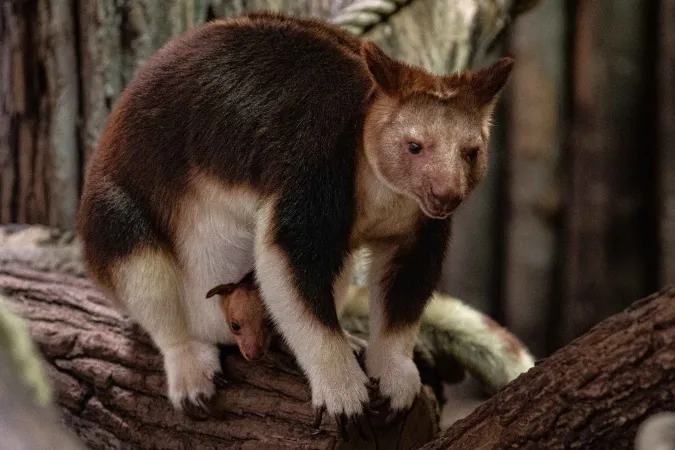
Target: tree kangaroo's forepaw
398, 389
382, 414
343, 421
193, 373
345, 401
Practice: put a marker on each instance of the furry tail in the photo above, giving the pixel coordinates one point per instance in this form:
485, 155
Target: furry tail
452, 329
657, 432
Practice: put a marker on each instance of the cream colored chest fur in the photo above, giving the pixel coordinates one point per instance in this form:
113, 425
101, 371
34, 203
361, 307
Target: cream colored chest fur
382, 214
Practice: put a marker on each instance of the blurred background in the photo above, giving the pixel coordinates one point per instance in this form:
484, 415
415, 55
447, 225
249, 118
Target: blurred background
576, 218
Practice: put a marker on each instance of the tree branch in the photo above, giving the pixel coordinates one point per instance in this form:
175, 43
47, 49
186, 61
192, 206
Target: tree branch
593, 393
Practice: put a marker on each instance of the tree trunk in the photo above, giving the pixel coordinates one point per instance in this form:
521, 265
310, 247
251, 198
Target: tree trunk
666, 161
111, 388
593, 393
536, 101
612, 165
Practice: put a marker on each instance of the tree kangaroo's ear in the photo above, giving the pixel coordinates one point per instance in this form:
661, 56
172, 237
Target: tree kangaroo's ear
486, 83
386, 72
222, 289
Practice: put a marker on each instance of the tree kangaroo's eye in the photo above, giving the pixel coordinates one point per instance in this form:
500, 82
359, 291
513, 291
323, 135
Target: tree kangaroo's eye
470, 154
414, 148
235, 326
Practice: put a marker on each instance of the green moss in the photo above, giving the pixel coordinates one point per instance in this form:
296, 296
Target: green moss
15, 338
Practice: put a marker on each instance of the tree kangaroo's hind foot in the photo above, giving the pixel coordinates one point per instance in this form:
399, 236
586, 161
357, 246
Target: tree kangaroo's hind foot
147, 283
193, 373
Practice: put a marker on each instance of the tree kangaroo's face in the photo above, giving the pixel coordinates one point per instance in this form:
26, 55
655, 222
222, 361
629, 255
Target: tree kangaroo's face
431, 151
426, 136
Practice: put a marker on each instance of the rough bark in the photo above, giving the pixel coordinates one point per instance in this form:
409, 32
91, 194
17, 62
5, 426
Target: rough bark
593, 393
611, 245
110, 385
666, 161
537, 129
57, 49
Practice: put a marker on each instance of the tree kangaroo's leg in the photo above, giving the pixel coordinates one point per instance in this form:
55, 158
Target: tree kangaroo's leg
125, 253
148, 283
298, 292
402, 279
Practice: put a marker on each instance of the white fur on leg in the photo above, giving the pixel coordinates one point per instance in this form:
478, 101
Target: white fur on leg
388, 358
389, 352
336, 380
190, 368
148, 285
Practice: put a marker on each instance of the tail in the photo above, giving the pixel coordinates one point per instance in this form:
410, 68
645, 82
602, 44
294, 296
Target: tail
452, 329
656, 432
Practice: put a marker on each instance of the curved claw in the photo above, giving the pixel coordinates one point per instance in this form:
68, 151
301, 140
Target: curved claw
359, 428
342, 421
342, 426
219, 380
318, 415
393, 416
360, 356
199, 410
379, 402
372, 386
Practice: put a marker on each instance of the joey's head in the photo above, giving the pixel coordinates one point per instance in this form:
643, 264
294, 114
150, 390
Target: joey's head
426, 136
246, 317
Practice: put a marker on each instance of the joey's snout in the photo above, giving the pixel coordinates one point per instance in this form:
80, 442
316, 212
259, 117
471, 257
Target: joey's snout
253, 343
252, 351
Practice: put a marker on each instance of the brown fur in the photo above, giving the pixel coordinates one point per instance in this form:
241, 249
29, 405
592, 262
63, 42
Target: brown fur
246, 316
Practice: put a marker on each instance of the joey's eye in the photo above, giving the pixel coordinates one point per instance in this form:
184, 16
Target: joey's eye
414, 148
471, 154
235, 326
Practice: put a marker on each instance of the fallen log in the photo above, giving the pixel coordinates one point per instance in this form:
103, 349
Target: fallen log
592, 394
109, 383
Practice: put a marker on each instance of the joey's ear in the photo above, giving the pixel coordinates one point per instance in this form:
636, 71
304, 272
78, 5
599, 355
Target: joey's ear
385, 71
249, 279
484, 84
222, 289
